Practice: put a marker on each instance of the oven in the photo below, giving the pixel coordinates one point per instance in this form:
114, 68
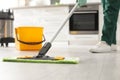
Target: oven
84, 21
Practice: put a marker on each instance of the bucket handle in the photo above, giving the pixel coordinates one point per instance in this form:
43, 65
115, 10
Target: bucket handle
30, 43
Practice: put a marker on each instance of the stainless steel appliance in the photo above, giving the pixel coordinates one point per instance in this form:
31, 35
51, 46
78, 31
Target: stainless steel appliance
85, 20
6, 27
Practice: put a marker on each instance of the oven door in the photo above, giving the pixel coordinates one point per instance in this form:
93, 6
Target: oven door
84, 22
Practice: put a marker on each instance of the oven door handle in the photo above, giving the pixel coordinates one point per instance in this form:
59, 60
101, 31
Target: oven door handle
85, 12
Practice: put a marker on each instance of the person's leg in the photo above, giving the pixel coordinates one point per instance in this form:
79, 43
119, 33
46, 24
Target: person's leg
108, 38
111, 11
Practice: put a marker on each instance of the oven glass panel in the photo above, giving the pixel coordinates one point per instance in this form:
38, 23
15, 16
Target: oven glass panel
84, 22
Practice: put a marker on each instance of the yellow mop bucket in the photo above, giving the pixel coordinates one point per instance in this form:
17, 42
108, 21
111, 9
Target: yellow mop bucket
29, 38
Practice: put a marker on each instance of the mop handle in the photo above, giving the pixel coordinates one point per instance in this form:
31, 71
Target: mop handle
64, 22
47, 45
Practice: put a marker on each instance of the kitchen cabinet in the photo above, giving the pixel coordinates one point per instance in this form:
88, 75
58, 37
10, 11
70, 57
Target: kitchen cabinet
49, 17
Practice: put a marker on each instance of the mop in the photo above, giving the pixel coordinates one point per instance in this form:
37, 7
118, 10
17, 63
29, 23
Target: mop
41, 57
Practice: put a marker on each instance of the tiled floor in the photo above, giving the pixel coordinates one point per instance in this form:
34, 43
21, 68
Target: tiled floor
102, 66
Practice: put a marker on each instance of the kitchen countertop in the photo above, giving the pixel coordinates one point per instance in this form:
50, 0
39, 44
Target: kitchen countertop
59, 5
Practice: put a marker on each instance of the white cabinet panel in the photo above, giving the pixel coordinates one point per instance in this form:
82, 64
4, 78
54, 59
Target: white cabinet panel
48, 17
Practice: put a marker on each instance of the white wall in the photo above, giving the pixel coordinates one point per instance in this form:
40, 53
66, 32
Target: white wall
39, 2
7, 4
74, 1
93, 1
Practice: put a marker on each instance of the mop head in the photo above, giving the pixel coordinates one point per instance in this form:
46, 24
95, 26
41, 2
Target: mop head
57, 60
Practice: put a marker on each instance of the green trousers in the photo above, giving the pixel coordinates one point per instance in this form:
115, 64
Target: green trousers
111, 12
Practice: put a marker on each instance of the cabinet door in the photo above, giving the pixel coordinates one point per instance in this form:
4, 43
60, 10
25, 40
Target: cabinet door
48, 17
